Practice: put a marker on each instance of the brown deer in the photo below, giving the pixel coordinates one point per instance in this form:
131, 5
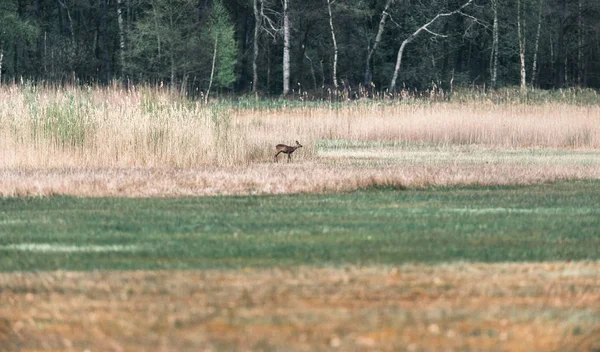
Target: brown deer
286, 149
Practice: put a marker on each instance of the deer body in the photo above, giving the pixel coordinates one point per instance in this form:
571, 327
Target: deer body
286, 149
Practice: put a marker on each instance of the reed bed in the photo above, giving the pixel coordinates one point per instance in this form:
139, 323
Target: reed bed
47, 131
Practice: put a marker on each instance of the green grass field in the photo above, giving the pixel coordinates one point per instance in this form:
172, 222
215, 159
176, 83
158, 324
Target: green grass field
547, 222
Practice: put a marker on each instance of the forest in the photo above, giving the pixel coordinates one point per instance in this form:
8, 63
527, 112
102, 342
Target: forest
281, 47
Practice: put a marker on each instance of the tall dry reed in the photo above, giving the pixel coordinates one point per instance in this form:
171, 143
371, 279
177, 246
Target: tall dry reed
142, 127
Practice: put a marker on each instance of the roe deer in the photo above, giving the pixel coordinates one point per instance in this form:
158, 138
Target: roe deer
286, 149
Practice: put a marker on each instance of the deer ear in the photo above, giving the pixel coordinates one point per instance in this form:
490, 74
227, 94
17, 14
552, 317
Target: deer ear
297, 142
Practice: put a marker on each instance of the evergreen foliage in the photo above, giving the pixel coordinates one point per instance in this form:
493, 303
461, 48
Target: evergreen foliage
222, 32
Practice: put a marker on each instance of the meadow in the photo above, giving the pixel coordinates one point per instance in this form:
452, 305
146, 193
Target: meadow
533, 223
146, 142
141, 220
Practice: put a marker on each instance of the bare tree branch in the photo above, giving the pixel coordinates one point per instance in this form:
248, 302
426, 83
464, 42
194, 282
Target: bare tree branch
435, 34
475, 19
270, 27
410, 38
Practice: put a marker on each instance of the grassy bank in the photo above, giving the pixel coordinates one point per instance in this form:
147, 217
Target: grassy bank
483, 224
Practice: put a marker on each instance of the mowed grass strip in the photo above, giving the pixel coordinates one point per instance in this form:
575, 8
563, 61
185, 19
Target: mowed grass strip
547, 222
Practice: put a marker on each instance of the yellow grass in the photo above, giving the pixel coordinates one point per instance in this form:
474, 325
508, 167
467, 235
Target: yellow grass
449, 307
302, 177
95, 141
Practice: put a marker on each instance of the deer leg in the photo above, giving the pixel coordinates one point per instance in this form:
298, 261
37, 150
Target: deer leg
276, 155
289, 157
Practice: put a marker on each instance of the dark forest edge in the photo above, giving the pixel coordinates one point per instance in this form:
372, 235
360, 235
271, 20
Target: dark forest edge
329, 98
277, 47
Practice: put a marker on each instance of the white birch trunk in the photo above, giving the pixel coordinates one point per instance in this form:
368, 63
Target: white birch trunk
537, 45
121, 37
45, 58
565, 69
410, 38
579, 45
286, 49
212, 70
521, 48
399, 62
257, 24
335, 48
1, 58
172, 58
494, 58
384, 16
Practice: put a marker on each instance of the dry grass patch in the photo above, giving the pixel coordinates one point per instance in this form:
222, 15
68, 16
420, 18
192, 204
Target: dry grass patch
503, 307
93, 141
46, 128
333, 172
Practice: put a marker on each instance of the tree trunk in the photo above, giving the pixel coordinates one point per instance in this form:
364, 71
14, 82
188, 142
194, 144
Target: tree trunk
560, 50
565, 69
121, 37
579, 44
71, 28
312, 71
537, 45
158, 44
45, 59
494, 58
268, 54
1, 58
172, 62
16, 59
335, 48
171, 56
384, 15
552, 68
399, 62
286, 49
410, 38
212, 71
322, 74
105, 40
521, 36
257, 24
39, 55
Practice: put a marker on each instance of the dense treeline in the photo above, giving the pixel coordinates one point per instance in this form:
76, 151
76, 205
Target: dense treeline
275, 46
